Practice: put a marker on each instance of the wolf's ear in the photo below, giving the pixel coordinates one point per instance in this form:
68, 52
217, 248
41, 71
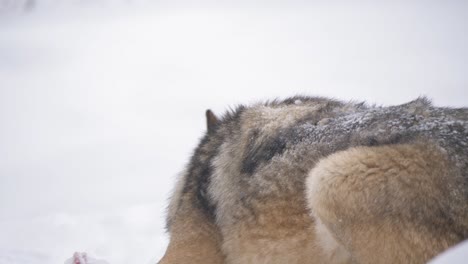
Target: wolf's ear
211, 120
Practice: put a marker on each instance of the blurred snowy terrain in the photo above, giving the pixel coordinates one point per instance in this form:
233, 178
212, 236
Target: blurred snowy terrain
102, 102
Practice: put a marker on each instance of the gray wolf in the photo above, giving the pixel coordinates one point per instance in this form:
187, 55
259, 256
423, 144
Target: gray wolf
316, 180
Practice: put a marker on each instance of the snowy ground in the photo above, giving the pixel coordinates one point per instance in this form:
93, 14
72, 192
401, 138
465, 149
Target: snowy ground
101, 105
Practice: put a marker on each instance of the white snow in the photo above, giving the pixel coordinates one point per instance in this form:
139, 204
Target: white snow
101, 104
455, 255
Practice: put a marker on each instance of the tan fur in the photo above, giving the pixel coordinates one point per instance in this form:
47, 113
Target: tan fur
272, 238
380, 203
333, 251
193, 240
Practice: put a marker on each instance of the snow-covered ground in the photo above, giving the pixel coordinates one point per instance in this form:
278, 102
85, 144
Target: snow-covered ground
102, 104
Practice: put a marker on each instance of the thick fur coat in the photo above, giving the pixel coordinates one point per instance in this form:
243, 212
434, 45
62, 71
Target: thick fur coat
314, 180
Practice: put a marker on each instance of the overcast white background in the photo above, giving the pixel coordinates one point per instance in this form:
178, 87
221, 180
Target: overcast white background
102, 102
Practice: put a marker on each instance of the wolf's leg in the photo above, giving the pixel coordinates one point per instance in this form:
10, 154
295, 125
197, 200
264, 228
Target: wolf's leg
389, 204
193, 239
